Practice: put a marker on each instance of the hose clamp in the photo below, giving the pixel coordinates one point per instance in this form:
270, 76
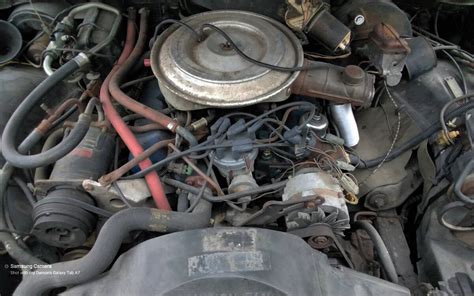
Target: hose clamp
82, 59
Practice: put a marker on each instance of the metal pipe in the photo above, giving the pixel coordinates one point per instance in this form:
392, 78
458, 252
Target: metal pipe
344, 119
47, 65
382, 251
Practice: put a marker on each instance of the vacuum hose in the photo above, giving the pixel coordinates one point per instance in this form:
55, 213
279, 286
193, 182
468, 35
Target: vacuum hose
114, 231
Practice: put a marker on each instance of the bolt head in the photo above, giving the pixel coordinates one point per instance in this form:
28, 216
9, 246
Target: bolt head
359, 20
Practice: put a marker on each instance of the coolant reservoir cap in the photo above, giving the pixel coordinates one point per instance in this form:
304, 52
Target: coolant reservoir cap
195, 75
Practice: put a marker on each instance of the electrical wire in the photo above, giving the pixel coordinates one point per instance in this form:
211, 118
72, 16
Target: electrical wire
121, 195
138, 80
174, 156
395, 137
199, 37
204, 186
445, 108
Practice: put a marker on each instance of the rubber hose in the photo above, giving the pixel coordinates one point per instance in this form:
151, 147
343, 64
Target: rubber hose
152, 179
413, 142
105, 249
381, 249
134, 105
52, 140
11, 153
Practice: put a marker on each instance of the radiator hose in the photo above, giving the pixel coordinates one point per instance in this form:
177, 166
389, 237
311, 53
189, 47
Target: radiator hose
114, 231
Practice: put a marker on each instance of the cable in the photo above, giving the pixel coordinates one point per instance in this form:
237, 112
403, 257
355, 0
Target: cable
138, 80
198, 171
121, 195
204, 185
395, 137
171, 21
232, 196
232, 44
174, 156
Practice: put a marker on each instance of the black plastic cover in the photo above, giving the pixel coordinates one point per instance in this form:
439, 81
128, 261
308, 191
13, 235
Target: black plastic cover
231, 261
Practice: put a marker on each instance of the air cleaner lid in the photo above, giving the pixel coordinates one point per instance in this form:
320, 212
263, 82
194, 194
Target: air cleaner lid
195, 75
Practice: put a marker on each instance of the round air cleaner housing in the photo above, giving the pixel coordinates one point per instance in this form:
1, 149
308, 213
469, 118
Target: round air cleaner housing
195, 75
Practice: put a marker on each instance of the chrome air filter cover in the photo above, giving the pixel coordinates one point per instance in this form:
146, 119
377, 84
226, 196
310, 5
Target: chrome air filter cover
195, 75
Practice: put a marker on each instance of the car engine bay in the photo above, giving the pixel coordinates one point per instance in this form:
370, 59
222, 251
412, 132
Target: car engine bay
202, 147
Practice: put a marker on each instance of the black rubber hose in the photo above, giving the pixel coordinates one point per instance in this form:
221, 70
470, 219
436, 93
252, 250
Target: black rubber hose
114, 231
410, 144
9, 137
381, 249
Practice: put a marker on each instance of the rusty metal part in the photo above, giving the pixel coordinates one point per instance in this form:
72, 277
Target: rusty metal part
116, 174
388, 52
320, 242
388, 40
337, 84
321, 236
92, 90
46, 124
